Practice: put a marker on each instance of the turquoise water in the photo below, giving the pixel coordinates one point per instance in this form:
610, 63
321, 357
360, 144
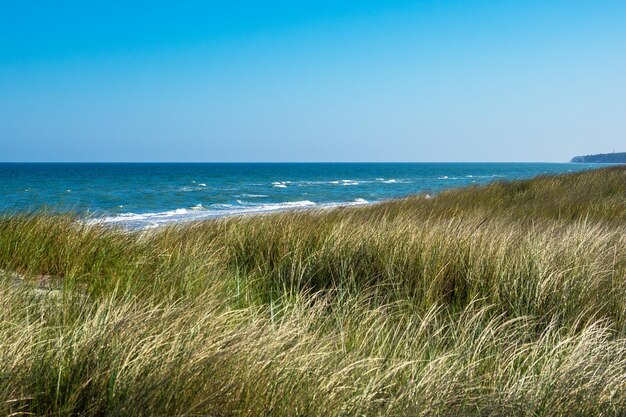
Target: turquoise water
149, 195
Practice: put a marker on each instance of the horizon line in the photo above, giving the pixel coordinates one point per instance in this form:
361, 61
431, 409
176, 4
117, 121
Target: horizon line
288, 162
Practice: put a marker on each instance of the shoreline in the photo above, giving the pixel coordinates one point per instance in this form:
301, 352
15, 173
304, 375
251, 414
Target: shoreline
186, 215
144, 196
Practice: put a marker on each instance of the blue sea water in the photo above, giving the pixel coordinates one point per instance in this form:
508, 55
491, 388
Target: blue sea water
140, 196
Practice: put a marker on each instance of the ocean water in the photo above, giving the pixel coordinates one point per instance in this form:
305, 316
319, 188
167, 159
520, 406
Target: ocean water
139, 196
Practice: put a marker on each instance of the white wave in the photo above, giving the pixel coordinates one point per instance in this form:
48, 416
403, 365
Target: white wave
187, 189
276, 206
303, 203
138, 217
338, 182
355, 202
244, 203
222, 206
254, 195
391, 181
143, 221
202, 184
485, 176
281, 184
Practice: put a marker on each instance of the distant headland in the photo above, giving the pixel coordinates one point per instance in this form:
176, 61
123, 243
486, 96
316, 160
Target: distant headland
603, 158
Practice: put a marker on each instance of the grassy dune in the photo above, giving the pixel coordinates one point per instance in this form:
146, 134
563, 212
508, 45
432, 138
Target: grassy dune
507, 299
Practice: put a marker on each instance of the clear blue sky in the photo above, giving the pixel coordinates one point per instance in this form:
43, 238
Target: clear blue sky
324, 80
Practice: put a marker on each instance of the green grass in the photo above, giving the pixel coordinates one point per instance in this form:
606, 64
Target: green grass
507, 299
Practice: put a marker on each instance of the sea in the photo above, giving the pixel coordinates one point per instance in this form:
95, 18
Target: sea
148, 195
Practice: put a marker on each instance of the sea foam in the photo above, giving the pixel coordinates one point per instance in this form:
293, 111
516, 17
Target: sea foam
150, 220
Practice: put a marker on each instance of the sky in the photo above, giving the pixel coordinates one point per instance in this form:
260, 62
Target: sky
325, 80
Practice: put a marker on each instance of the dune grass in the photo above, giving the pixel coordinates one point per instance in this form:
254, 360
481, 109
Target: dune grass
506, 299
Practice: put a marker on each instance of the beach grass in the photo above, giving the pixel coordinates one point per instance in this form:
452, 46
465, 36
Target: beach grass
497, 300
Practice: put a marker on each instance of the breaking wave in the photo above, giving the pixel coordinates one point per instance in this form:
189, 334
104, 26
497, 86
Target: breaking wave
150, 220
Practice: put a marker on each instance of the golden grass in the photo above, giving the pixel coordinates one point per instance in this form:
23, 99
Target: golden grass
508, 299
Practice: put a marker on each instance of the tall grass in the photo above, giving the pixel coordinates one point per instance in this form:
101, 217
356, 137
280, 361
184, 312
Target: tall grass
507, 299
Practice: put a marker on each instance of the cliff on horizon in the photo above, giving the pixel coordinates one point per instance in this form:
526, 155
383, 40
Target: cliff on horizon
603, 158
